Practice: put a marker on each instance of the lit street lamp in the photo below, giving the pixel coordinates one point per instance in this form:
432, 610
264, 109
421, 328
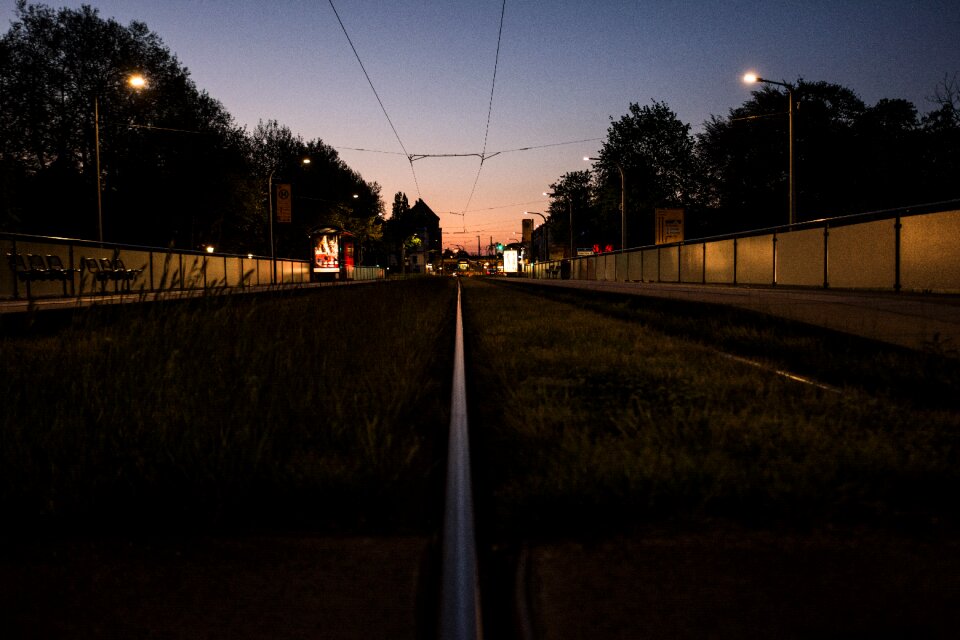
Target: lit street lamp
623, 203
570, 211
273, 255
751, 78
137, 82
546, 231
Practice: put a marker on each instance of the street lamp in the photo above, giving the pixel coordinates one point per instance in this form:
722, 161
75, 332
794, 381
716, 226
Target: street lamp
570, 211
751, 78
546, 232
134, 81
623, 203
273, 255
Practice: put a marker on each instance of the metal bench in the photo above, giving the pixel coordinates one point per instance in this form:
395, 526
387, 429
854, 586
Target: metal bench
57, 271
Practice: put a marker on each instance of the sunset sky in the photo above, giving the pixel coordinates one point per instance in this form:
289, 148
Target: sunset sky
565, 69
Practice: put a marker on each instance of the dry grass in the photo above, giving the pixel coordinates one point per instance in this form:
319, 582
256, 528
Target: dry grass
321, 409
584, 419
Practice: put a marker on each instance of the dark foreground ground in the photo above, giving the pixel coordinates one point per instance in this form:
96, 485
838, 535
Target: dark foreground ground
649, 585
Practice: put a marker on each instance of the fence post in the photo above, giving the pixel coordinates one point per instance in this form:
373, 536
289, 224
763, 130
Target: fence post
734, 261
826, 261
897, 226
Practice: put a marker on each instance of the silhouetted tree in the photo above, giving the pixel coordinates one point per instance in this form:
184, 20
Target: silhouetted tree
173, 164
572, 197
325, 191
655, 150
849, 157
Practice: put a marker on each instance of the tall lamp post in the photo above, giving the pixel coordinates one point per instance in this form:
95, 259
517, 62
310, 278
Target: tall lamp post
751, 78
546, 237
570, 213
273, 254
134, 81
623, 202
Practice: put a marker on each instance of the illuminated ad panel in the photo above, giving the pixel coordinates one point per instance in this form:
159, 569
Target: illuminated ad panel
326, 253
510, 261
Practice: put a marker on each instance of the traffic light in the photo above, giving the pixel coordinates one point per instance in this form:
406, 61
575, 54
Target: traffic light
499, 247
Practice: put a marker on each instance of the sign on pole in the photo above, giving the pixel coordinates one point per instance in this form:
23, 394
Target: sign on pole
283, 203
669, 226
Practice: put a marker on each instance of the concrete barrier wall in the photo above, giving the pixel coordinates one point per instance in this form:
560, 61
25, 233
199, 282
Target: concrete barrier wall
755, 260
862, 256
899, 253
651, 265
609, 268
159, 269
720, 262
929, 252
800, 258
691, 263
669, 264
635, 266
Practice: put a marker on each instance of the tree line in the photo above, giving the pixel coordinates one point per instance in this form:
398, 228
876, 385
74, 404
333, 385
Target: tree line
171, 167
733, 176
174, 167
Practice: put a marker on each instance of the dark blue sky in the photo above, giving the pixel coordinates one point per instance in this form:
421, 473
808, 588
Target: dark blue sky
565, 68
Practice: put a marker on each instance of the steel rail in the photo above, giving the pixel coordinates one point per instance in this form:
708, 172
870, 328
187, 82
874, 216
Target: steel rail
460, 592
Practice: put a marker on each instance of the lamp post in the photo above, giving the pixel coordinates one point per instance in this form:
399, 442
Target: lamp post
273, 258
623, 202
570, 212
546, 232
751, 78
134, 81
273, 254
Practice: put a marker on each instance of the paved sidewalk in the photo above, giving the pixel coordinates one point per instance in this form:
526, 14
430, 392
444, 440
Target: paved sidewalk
917, 321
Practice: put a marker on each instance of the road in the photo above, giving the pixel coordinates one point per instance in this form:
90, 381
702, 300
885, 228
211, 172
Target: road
916, 321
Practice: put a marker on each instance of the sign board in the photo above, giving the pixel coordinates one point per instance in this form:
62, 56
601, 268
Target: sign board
510, 261
669, 226
283, 203
527, 230
584, 251
326, 253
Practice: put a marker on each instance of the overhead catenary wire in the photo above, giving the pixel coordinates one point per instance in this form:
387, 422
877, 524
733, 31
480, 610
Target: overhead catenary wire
382, 107
486, 134
471, 154
482, 155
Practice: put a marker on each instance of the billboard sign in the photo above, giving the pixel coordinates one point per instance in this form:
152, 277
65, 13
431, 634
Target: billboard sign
326, 253
510, 261
669, 226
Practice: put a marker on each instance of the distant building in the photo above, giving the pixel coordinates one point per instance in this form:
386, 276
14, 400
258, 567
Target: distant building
418, 238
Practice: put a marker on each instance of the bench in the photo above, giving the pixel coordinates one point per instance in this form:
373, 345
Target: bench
105, 270
35, 268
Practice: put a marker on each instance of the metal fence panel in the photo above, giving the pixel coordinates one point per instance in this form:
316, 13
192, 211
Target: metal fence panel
193, 274
719, 266
635, 266
166, 271
669, 264
622, 266
216, 275
800, 258
929, 258
609, 267
862, 256
691, 262
755, 260
651, 265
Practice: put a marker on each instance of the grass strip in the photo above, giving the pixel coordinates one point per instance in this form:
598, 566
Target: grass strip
320, 410
584, 419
